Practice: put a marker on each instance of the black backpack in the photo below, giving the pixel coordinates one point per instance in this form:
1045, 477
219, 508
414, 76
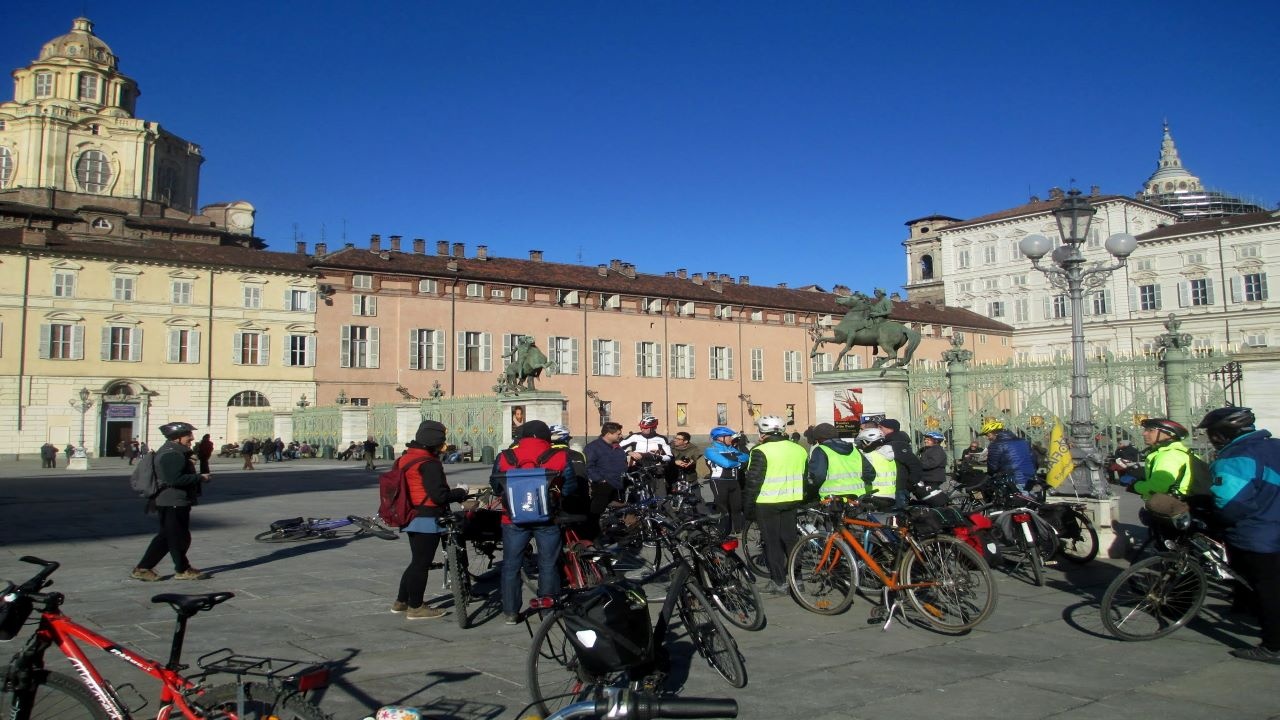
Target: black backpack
1201, 486
144, 480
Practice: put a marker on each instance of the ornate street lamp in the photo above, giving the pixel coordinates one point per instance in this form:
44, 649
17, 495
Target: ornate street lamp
83, 406
1069, 271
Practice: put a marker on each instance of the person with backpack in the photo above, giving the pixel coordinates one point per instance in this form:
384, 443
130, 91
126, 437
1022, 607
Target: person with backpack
1246, 493
533, 452
724, 462
430, 494
178, 486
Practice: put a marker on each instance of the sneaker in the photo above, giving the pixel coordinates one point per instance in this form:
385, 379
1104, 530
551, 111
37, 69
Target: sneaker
398, 607
144, 575
423, 612
191, 574
779, 589
1258, 653
511, 618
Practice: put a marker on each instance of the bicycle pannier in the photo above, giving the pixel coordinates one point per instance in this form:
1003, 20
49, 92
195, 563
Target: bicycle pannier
609, 627
1062, 519
395, 505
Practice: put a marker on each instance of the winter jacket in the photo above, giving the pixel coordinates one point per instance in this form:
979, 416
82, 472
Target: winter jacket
426, 481
1246, 491
933, 462
176, 473
724, 461
909, 469
1168, 470
1011, 455
527, 454
605, 463
819, 470
641, 443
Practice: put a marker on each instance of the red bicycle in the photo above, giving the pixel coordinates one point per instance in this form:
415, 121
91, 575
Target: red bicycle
29, 691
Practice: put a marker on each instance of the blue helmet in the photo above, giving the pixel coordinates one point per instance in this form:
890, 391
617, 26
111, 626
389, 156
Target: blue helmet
936, 436
720, 431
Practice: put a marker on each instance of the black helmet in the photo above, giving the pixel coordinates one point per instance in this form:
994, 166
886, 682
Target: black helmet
1175, 429
1226, 424
175, 430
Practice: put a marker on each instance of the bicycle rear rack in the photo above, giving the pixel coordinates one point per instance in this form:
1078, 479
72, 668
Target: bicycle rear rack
297, 673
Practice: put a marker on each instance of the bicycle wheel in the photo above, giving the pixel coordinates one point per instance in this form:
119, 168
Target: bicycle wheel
1154, 597
709, 636
455, 561
732, 589
292, 534
369, 526
962, 592
59, 698
555, 675
822, 577
1084, 548
260, 703
753, 549
1030, 551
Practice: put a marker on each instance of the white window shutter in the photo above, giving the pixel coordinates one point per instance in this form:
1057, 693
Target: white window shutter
311, 351
193, 346
1048, 307
106, 343
693, 361
506, 348
355, 304
437, 338
135, 345
728, 361
673, 362
46, 333
311, 301
639, 359
288, 299
373, 305
264, 349
595, 357
374, 342
1208, 284
1182, 293
1157, 288
617, 356
1237, 289
573, 356
175, 344
1135, 298
237, 343
413, 349
77, 342
657, 359
1262, 285
345, 352
486, 352
461, 360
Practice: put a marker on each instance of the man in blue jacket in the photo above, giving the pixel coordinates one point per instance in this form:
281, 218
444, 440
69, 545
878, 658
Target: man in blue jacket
1246, 493
1008, 454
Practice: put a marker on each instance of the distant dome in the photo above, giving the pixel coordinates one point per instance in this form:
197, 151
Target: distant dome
80, 44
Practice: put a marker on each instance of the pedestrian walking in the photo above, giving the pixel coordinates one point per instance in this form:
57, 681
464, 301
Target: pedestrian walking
370, 450
204, 451
180, 487
247, 450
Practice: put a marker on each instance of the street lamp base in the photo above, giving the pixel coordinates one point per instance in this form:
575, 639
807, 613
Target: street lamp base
78, 462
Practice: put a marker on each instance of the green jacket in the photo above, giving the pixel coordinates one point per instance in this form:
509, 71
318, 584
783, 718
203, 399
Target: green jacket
1168, 470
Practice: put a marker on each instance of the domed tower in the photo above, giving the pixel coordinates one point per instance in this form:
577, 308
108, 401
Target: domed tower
71, 128
1173, 187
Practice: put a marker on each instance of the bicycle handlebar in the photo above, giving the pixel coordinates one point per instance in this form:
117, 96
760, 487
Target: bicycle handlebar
41, 579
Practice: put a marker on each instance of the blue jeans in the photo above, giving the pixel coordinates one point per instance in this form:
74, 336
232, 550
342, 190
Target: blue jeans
514, 541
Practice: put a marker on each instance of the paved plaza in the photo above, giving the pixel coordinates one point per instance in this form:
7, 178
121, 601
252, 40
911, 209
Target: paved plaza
1042, 654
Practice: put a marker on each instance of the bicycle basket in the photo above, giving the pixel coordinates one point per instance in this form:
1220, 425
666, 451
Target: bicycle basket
609, 627
14, 611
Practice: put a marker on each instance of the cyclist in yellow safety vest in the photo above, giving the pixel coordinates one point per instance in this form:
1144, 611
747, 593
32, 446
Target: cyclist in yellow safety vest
836, 467
871, 441
773, 487
1168, 468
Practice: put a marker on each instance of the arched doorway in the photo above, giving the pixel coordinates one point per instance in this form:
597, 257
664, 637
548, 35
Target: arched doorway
237, 405
123, 418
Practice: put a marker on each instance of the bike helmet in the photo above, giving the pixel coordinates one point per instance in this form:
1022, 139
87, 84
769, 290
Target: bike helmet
720, 431
1174, 429
560, 433
175, 430
991, 426
648, 422
1226, 424
771, 425
936, 436
869, 437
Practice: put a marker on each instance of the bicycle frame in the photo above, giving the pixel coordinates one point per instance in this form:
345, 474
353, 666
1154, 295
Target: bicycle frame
889, 578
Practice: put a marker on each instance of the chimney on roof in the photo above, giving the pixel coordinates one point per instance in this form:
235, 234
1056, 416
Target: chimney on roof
744, 280
442, 247
1035, 198
682, 273
629, 270
452, 265
349, 245
602, 270
1095, 190
726, 278
482, 252
535, 255
31, 237
616, 265
300, 247
782, 285
697, 278
395, 243
322, 248
459, 250
714, 282
1055, 193
419, 246
670, 273
375, 243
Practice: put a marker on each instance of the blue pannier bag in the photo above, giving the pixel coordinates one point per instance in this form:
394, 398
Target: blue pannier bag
528, 492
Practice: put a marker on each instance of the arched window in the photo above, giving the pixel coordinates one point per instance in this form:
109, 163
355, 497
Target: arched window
249, 398
93, 172
122, 389
926, 267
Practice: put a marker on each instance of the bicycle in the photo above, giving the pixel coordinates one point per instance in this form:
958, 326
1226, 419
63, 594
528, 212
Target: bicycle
28, 691
809, 519
1159, 594
944, 579
297, 529
627, 704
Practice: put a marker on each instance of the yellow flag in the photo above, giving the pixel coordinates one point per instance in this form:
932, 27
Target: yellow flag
1059, 461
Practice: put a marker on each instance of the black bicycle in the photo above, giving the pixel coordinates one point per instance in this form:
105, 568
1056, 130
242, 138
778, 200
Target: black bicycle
299, 528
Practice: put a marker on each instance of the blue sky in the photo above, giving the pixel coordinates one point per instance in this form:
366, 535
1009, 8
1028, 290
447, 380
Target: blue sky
788, 141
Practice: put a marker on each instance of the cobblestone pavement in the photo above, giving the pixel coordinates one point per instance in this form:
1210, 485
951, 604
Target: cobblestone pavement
1042, 654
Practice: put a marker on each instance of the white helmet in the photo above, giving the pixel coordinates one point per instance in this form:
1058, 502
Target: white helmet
870, 436
559, 433
771, 424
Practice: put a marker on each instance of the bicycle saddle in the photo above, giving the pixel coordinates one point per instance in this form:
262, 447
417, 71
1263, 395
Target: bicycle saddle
189, 605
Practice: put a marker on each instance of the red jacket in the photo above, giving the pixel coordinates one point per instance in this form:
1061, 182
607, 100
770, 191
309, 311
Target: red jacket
427, 481
527, 454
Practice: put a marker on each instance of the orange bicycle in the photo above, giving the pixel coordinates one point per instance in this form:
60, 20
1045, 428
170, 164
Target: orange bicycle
945, 581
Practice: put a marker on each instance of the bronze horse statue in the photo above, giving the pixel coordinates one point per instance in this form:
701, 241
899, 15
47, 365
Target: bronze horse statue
853, 329
527, 364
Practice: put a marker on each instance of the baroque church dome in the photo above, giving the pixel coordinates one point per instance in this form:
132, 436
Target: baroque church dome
80, 44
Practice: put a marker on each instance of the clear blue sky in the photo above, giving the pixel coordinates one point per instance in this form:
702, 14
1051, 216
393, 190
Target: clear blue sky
743, 137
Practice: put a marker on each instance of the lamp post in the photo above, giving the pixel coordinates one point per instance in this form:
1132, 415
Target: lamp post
80, 460
1068, 269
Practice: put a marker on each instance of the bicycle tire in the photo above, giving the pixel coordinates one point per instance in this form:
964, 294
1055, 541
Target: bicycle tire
753, 549
1085, 548
369, 526
1166, 591
732, 590
59, 697
455, 562
709, 636
825, 590
260, 703
555, 675
285, 535
965, 593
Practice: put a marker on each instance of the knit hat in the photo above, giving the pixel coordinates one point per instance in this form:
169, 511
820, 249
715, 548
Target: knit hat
824, 431
431, 434
535, 429
892, 424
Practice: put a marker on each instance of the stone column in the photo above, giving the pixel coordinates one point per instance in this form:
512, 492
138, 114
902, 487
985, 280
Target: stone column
957, 360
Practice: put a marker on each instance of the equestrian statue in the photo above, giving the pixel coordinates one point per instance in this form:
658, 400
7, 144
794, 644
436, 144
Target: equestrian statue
867, 324
527, 364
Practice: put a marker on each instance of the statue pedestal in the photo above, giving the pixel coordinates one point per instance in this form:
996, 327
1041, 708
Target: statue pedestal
547, 406
879, 395
78, 461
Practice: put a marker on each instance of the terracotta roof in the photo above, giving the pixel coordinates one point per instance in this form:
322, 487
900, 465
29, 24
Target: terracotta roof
1211, 224
588, 278
181, 254
1044, 206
